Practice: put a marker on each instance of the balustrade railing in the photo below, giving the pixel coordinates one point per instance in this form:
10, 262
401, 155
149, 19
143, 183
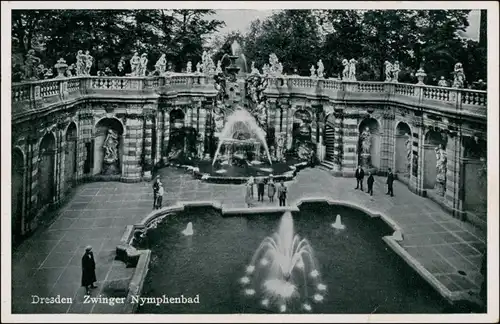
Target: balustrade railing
465, 99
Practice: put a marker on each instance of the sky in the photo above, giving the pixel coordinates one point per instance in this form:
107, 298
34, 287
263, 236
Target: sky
238, 19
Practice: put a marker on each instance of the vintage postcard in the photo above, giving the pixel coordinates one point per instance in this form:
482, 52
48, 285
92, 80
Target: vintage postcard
250, 161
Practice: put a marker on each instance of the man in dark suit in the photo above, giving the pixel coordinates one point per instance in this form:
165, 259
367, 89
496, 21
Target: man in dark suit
156, 187
390, 180
370, 182
88, 270
360, 174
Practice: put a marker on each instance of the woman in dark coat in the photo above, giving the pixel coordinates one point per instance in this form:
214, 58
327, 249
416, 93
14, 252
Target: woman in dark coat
88, 270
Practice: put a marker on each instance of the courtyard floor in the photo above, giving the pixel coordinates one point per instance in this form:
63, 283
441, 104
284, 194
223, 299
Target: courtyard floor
48, 263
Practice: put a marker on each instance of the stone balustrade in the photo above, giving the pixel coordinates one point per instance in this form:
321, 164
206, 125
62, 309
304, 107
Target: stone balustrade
28, 97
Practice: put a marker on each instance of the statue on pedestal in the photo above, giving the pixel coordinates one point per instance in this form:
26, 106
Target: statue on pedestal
441, 160
388, 71
189, 67
345, 72
442, 82
134, 64
280, 150
321, 69
266, 69
313, 71
30, 65
395, 71
161, 65
409, 151
459, 76
276, 68
110, 146
89, 61
70, 72
366, 143
121, 67
198, 68
143, 65
80, 63
352, 70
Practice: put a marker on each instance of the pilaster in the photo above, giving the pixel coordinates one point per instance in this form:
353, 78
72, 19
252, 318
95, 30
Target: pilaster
350, 145
132, 149
454, 172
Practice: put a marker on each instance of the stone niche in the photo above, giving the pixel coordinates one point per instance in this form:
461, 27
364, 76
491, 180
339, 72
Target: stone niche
108, 152
369, 144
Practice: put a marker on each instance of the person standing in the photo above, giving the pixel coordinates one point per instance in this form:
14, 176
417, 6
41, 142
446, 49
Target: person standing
88, 270
260, 189
248, 194
159, 196
390, 180
282, 193
370, 182
271, 189
360, 174
156, 187
251, 181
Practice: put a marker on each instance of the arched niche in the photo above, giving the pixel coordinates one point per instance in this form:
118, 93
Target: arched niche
70, 156
17, 192
329, 137
302, 133
433, 139
403, 149
108, 146
46, 170
369, 143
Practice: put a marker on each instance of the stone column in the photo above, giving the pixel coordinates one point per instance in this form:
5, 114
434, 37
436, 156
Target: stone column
387, 143
417, 180
350, 140
202, 122
166, 134
132, 150
158, 127
189, 117
454, 171
338, 146
32, 184
289, 125
148, 141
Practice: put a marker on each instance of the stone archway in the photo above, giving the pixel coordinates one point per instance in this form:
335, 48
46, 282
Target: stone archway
434, 152
369, 144
17, 197
46, 180
108, 147
329, 137
70, 157
403, 150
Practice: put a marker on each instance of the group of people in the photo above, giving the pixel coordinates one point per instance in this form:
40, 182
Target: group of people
360, 175
272, 189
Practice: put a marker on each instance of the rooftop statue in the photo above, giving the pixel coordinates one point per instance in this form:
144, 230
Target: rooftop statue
321, 69
395, 71
388, 71
134, 64
313, 71
345, 72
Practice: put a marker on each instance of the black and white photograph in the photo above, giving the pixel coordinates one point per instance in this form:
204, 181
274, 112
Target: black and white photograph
232, 161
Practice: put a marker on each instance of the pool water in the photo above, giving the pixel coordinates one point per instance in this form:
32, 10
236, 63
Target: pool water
362, 274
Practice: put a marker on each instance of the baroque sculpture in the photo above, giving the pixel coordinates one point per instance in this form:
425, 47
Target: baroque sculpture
30, 65
442, 82
121, 66
441, 160
395, 71
321, 69
110, 146
198, 68
253, 69
352, 70
218, 70
366, 143
275, 67
161, 65
80, 63
143, 65
266, 69
134, 64
459, 76
313, 71
388, 71
89, 61
345, 72
280, 150
189, 67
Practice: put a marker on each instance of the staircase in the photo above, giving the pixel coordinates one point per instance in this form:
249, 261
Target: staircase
326, 165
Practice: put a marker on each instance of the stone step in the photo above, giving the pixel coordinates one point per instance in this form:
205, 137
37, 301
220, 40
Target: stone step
327, 164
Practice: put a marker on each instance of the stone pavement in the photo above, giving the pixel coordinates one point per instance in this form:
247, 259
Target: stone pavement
48, 264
